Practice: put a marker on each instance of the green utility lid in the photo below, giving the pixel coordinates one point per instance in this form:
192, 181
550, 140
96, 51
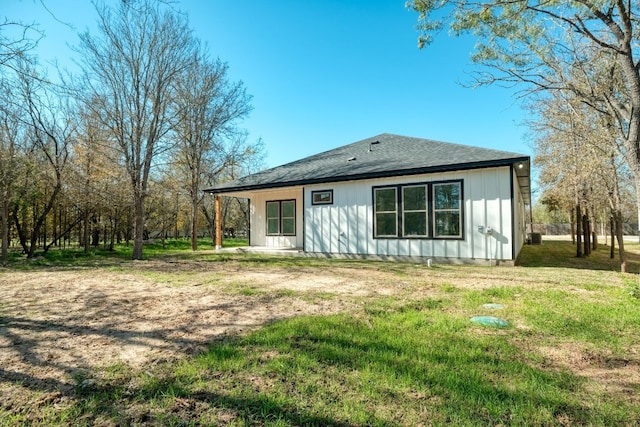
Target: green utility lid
490, 321
493, 306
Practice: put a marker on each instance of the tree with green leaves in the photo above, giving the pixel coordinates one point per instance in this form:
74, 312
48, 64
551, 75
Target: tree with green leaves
540, 44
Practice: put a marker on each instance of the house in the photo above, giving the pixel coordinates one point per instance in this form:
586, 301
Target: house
392, 196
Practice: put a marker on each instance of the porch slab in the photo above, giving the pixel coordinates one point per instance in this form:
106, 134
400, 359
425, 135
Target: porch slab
265, 250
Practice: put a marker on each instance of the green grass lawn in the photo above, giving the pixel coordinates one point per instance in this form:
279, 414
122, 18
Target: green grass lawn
410, 359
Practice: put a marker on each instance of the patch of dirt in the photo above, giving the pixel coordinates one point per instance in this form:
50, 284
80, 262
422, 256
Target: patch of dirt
614, 375
56, 326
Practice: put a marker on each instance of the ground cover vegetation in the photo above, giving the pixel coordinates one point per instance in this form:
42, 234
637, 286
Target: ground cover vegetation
330, 342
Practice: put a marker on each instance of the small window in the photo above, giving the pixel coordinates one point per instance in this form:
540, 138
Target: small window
281, 218
446, 210
386, 212
414, 211
324, 197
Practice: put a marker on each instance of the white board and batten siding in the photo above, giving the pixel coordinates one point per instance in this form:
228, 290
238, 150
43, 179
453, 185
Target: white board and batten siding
346, 225
258, 218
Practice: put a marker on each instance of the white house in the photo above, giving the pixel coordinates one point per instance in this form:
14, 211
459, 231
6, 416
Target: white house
392, 196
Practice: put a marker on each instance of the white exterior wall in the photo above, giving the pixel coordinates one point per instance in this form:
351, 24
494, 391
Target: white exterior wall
258, 218
346, 226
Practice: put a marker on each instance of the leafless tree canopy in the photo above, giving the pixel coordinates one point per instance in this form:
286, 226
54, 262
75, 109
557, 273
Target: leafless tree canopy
128, 145
132, 67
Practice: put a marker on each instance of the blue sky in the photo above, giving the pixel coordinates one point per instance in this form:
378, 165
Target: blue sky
325, 73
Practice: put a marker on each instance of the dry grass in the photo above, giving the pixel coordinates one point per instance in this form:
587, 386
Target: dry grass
74, 334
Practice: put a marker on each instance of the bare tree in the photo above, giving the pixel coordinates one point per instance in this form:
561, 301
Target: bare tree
209, 105
11, 149
250, 160
131, 67
50, 128
16, 40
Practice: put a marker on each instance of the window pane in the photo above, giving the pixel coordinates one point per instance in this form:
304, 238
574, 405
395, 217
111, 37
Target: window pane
322, 197
288, 226
447, 223
415, 224
386, 224
273, 226
385, 199
272, 209
414, 198
447, 196
288, 209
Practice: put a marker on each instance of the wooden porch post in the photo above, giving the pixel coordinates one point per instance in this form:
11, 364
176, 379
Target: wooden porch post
218, 221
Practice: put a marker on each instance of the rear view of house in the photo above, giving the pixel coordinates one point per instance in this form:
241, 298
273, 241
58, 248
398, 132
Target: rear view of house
392, 196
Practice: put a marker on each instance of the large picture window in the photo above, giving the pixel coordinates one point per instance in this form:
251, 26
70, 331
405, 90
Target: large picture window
281, 218
430, 210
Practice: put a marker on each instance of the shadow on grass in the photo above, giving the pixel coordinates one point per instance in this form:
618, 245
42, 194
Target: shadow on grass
341, 371
185, 408
562, 254
39, 377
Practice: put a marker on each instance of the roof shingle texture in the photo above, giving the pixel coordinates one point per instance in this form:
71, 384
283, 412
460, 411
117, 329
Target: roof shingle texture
378, 156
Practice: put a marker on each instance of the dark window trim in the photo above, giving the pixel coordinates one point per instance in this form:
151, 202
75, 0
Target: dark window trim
398, 224
280, 218
401, 213
313, 199
460, 209
430, 209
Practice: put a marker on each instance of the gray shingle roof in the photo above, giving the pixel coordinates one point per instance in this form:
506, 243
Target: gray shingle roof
384, 155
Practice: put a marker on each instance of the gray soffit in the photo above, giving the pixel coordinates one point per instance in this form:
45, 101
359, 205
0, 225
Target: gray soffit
385, 155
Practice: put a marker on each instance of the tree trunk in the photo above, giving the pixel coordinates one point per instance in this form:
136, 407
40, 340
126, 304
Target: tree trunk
594, 230
138, 230
613, 240
114, 228
85, 232
587, 233
5, 230
578, 231
620, 237
194, 223
572, 222
95, 236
